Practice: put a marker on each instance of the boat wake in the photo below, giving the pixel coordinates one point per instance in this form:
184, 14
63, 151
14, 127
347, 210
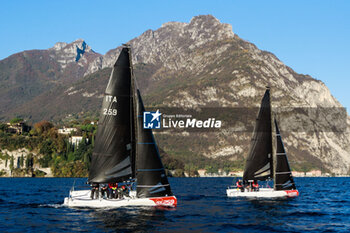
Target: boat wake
56, 206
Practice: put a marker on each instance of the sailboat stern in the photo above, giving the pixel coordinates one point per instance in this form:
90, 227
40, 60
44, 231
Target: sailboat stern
170, 201
292, 193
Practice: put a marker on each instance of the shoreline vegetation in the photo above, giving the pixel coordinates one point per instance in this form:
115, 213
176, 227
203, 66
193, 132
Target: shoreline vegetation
49, 150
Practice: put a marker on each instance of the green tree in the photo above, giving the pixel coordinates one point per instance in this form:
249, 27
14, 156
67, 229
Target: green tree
211, 169
3, 127
16, 120
191, 169
6, 157
47, 147
42, 127
45, 160
70, 156
22, 161
29, 161
11, 163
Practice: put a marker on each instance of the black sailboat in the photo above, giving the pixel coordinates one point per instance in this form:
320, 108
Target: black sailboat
267, 158
124, 150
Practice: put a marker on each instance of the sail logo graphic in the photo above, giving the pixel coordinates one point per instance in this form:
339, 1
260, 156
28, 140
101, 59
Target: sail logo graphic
151, 120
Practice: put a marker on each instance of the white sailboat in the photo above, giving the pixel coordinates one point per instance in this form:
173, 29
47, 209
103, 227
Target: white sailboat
263, 162
124, 151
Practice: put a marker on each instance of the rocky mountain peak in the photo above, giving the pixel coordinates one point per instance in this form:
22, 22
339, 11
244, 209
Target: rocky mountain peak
211, 25
59, 46
170, 42
66, 47
66, 53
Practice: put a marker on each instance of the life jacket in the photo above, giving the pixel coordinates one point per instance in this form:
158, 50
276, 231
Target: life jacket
113, 186
255, 185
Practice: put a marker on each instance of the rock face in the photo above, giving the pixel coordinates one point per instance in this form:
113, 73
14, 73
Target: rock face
25, 75
76, 52
170, 44
204, 64
16, 155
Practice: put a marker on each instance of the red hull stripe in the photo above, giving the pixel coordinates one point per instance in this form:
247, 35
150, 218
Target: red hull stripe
165, 201
292, 193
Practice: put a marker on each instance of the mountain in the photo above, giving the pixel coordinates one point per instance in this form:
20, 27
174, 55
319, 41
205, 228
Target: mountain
193, 65
25, 75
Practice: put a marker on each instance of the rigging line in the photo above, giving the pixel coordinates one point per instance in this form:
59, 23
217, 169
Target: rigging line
148, 186
149, 170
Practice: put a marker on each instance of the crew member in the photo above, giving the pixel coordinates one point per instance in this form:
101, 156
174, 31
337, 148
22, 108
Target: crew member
104, 190
94, 190
113, 187
125, 191
240, 185
255, 186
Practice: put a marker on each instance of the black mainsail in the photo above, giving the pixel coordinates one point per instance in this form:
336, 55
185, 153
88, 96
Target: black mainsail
113, 151
150, 173
124, 150
283, 175
259, 164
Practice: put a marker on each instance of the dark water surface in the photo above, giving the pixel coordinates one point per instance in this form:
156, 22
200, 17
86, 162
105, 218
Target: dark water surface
35, 205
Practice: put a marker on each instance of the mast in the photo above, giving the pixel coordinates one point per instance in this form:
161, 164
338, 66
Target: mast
133, 119
273, 141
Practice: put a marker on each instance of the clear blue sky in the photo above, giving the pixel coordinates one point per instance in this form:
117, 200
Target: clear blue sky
310, 36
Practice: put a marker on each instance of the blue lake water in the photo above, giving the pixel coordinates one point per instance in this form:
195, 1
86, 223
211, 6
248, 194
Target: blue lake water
35, 205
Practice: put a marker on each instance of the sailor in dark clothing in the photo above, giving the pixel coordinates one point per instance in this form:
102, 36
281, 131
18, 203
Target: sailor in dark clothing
104, 190
125, 191
120, 192
94, 190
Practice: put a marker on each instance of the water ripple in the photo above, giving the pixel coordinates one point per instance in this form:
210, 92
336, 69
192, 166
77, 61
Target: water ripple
323, 206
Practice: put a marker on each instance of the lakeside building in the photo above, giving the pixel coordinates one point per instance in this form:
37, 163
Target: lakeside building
76, 140
314, 173
202, 172
298, 174
18, 128
67, 131
236, 173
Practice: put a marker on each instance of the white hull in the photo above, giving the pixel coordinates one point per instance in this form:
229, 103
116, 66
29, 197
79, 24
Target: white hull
262, 193
82, 199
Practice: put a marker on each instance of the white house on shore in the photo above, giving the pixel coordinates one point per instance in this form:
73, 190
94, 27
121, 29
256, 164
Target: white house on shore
66, 131
314, 173
76, 140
